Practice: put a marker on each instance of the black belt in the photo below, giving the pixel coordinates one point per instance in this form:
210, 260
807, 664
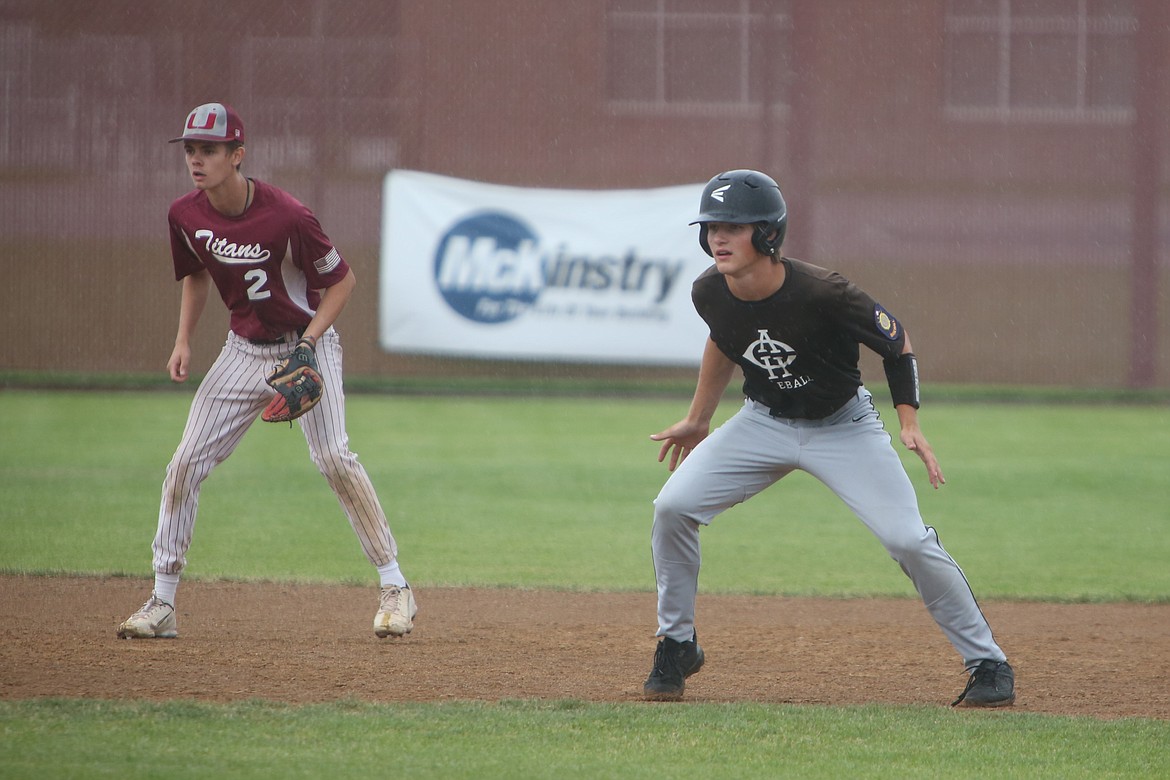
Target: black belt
782, 416
282, 340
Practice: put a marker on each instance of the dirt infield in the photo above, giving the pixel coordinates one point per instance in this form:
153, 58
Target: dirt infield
302, 644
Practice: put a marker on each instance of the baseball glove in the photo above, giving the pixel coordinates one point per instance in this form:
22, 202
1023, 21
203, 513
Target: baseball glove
297, 384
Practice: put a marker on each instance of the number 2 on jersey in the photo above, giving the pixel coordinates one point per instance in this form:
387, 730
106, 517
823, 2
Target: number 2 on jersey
258, 277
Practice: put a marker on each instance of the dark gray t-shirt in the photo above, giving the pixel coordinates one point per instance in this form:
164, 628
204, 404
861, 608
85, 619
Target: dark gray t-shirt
799, 347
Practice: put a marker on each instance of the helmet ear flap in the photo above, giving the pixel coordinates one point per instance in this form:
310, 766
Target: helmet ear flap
761, 241
703, 239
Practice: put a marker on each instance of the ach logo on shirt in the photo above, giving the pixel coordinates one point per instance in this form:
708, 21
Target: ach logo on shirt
886, 324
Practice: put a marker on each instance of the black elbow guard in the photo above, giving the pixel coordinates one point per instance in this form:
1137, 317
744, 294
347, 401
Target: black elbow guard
902, 375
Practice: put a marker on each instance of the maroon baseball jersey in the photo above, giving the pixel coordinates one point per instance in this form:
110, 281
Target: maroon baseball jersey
799, 347
269, 264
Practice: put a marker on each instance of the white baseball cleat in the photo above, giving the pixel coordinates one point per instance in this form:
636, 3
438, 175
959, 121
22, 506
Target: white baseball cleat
396, 612
154, 620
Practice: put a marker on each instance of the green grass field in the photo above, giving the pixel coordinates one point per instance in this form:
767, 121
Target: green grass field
1055, 502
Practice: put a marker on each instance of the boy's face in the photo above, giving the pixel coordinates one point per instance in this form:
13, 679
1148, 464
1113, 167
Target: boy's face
732, 247
211, 164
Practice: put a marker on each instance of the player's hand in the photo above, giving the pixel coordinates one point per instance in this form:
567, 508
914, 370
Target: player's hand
915, 442
679, 439
179, 364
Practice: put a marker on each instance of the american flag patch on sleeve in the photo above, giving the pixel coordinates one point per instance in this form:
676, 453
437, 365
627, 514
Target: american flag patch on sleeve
328, 262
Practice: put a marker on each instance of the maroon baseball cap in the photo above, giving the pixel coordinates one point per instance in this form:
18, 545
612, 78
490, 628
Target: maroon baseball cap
212, 122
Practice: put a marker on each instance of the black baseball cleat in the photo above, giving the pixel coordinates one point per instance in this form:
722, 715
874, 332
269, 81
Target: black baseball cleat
992, 684
674, 662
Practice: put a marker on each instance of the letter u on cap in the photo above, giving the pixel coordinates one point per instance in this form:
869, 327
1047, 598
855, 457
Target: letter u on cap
213, 122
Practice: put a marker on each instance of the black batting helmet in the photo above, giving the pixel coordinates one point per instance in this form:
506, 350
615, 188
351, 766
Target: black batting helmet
745, 197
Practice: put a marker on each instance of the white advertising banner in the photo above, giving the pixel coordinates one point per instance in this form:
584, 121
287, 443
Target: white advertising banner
490, 271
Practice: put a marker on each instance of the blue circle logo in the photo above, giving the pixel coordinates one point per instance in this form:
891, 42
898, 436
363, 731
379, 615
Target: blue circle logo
488, 267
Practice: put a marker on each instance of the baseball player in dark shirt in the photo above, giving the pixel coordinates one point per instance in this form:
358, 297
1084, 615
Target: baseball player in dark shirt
795, 330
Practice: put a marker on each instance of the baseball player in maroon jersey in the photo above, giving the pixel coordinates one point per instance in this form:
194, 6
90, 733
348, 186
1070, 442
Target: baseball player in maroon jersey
285, 284
795, 330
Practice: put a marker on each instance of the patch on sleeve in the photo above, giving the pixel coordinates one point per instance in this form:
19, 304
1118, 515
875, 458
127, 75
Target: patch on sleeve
328, 262
886, 324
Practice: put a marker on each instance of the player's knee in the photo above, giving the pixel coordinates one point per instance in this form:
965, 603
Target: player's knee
909, 545
334, 464
670, 510
673, 520
679, 498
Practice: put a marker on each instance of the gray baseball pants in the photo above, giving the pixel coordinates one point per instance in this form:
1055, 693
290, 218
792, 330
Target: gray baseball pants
851, 453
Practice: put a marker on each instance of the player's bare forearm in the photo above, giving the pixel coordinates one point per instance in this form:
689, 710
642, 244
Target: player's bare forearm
679, 439
911, 434
196, 288
333, 302
916, 442
715, 372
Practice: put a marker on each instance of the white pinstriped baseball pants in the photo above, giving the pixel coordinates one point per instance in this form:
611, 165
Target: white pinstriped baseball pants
227, 402
850, 453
